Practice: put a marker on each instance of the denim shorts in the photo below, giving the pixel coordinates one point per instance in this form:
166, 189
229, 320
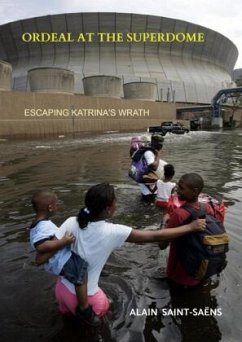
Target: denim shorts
75, 270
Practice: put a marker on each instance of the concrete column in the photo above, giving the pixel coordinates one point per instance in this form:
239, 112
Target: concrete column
140, 90
51, 80
217, 122
107, 86
5, 76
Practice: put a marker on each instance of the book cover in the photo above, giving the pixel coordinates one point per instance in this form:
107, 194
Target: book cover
77, 82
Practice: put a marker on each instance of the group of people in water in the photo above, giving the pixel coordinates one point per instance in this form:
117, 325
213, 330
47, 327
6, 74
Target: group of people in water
153, 174
77, 251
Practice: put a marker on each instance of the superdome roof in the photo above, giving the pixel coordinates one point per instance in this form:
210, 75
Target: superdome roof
186, 67
216, 48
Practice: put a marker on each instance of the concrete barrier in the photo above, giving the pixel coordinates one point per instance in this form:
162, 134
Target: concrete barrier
30, 114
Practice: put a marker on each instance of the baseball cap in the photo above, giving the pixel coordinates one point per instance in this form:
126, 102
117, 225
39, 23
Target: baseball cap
157, 139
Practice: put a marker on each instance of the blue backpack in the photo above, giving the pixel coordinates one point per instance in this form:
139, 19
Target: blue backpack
203, 254
139, 166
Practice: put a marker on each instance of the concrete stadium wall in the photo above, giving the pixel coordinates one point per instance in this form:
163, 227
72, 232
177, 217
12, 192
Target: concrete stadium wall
5, 76
21, 114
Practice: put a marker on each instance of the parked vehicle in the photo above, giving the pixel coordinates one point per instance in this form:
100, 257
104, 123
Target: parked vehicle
169, 127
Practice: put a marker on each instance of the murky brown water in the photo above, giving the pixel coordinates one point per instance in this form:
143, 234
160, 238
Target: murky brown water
134, 275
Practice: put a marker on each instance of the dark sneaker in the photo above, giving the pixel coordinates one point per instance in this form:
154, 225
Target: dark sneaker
88, 317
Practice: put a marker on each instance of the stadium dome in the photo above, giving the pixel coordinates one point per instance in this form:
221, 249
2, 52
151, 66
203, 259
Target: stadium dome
192, 71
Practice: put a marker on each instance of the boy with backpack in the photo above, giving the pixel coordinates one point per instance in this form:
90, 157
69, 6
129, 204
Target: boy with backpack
194, 259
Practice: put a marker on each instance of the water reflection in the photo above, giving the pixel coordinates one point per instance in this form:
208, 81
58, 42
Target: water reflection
134, 276
198, 320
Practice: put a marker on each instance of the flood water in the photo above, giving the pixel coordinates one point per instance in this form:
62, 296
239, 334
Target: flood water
134, 276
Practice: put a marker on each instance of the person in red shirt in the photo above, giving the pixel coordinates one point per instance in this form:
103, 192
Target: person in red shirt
188, 188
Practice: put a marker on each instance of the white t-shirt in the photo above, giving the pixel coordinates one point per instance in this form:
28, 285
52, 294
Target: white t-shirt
150, 158
46, 230
95, 243
164, 190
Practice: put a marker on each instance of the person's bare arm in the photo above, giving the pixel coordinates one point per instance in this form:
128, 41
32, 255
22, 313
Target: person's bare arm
165, 243
55, 244
41, 258
165, 234
154, 166
48, 248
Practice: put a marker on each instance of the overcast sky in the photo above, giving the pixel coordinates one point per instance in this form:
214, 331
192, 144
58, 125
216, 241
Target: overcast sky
223, 16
